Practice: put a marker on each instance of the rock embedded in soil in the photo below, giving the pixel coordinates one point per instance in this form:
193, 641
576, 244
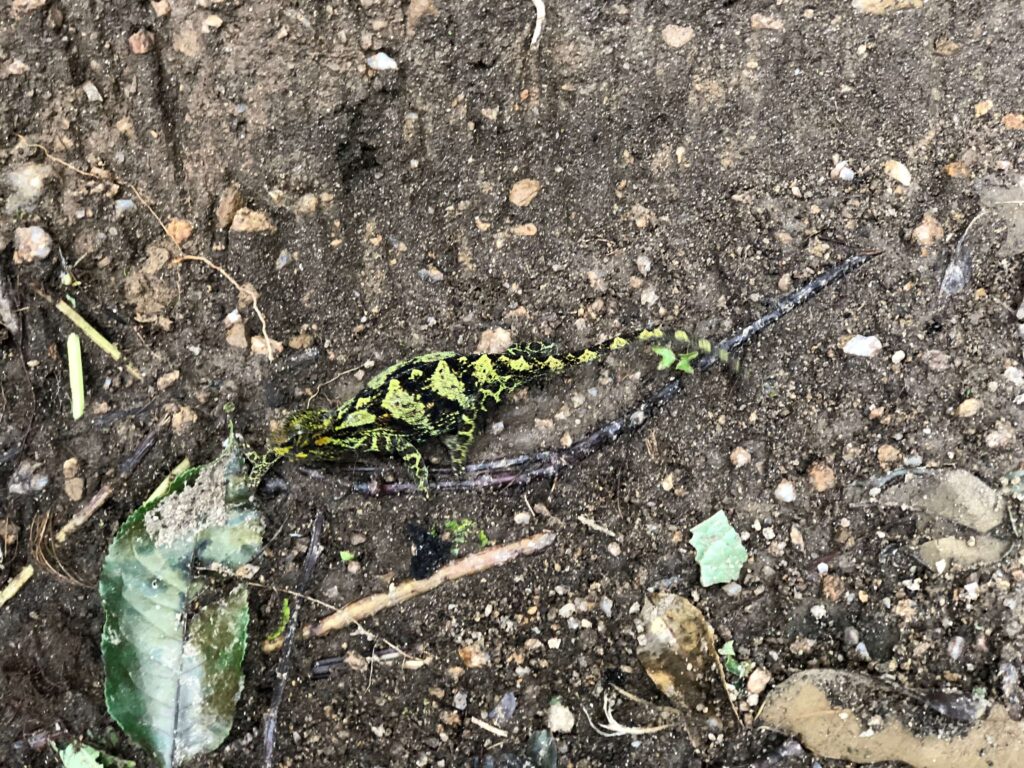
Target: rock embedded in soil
248, 220
928, 232
179, 230
31, 244
26, 183
523, 192
494, 341
763, 21
968, 408
560, 718
898, 172
141, 42
938, 554
675, 36
956, 496
381, 62
785, 492
228, 204
822, 477
739, 457
863, 346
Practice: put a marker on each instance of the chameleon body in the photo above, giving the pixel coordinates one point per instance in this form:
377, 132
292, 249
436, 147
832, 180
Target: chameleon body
445, 395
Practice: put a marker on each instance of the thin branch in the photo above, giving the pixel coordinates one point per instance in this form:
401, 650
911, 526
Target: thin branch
478, 562
284, 662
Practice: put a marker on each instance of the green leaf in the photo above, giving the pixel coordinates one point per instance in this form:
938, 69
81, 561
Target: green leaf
720, 552
173, 640
84, 756
347, 556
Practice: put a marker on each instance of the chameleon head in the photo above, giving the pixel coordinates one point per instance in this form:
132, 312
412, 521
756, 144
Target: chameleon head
298, 434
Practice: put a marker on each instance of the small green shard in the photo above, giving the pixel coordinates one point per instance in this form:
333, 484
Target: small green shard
666, 357
720, 553
734, 666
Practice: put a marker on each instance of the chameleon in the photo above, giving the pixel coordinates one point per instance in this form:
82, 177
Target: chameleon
446, 396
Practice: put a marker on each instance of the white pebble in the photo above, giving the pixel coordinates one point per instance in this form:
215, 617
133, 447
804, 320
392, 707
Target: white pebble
863, 346
899, 356
785, 492
897, 171
560, 718
381, 62
847, 174
739, 457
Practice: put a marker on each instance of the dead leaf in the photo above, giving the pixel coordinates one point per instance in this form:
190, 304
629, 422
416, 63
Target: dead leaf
850, 716
678, 651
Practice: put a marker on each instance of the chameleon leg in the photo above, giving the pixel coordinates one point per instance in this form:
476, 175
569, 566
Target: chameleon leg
458, 444
413, 460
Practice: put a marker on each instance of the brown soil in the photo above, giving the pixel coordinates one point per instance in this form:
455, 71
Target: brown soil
675, 184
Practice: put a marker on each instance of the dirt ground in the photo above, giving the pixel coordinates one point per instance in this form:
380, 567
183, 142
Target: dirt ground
682, 180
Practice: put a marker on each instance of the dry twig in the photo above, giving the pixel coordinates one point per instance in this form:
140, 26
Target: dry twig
478, 562
12, 587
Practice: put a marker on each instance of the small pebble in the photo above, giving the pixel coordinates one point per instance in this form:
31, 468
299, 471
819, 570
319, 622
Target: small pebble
785, 492
523, 192
822, 477
969, 407
936, 360
888, 455
560, 717
606, 605
675, 36
494, 341
123, 206
863, 346
758, 680
763, 21
643, 264
819, 612
732, 589
897, 171
460, 701
212, 22
851, 636
898, 356
228, 204
846, 174
92, 93
31, 244
1000, 437
739, 457
521, 518
956, 647
141, 42
928, 232
614, 549
381, 62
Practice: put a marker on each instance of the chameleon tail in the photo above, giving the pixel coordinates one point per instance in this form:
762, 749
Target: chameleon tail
783, 306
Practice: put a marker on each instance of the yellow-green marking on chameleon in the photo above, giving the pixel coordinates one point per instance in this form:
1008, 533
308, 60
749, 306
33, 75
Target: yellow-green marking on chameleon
445, 383
483, 370
358, 418
405, 406
516, 363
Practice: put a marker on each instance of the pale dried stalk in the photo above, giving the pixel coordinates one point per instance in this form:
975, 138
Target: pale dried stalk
12, 587
478, 562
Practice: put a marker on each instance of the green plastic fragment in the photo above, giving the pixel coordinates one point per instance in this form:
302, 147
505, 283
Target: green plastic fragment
347, 556
720, 552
